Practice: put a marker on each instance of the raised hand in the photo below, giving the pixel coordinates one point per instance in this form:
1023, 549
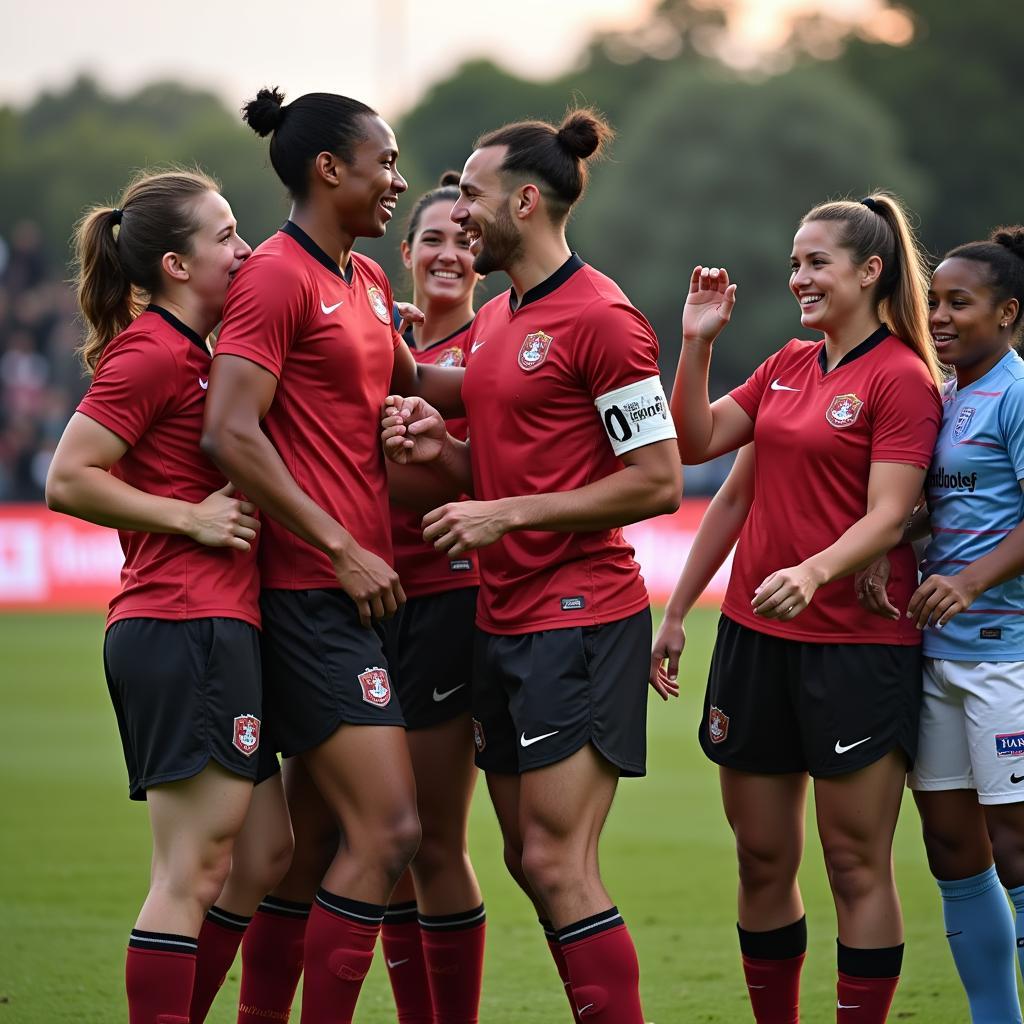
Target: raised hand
220, 521
410, 314
412, 430
709, 304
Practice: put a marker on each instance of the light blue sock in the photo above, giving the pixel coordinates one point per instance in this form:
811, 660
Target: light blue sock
979, 929
1017, 895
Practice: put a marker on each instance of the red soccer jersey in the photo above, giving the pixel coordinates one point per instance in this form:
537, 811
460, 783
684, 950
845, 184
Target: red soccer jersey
150, 390
816, 435
422, 569
329, 340
530, 391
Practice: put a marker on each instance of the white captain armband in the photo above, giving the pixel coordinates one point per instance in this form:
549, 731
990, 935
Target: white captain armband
636, 415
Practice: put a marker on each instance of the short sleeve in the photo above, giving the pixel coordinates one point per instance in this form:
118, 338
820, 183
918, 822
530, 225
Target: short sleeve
906, 417
615, 346
1011, 422
749, 394
266, 308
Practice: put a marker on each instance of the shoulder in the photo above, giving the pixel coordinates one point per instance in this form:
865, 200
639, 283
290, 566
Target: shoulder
370, 269
272, 261
796, 352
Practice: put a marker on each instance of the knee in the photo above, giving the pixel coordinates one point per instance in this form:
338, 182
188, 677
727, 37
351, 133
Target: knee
854, 870
953, 854
545, 867
271, 862
1008, 853
398, 844
513, 856
764, 865
196, 874
438, 853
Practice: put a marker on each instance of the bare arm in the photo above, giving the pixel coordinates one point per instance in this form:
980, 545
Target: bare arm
239, 396
79, 483
892, 490
434, 462
440, 386
705, 431
650, 484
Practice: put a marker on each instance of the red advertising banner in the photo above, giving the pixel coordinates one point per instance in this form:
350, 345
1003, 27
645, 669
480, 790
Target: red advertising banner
52, 562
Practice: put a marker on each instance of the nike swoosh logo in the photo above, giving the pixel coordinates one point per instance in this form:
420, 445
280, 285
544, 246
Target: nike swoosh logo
950, 935
476, 345
328, 310
536, 739
583, 1009
776, 386
447, 693
397, 963
204, 384
757, 986
840, 749
844, 1006
1016, 778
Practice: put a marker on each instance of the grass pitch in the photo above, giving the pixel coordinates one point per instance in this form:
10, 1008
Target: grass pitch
74, 862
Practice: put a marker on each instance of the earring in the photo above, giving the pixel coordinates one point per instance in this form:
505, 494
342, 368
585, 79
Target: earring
1005, 324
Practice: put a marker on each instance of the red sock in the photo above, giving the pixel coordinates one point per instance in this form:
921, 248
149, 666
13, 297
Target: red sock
864, 1000
340, 937
407, 971
453, 947
219, 939
772, 961
603, 969
272, 961
159, 971
555, 948
867, 983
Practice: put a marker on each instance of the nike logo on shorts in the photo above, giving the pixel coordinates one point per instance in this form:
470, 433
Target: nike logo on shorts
447, 693
776, 386
397, 963
1016, 778
329, 309
840, 749
536, 739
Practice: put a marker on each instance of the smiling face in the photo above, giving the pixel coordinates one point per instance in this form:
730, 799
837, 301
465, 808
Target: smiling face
371, 184
439, 258
829, 286
217, 251
965, 317
483, 213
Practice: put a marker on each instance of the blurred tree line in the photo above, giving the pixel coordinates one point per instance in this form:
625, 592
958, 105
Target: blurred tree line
710, 165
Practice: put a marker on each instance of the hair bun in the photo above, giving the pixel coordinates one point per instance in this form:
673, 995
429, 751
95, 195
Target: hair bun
1011, 236
583, 133
265, 113
448, 179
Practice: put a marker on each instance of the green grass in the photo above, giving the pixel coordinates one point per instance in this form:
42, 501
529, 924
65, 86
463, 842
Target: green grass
74, 860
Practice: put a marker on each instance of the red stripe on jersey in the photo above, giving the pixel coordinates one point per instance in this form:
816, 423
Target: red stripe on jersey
421, 568
150, 390
529, 392
814, 448
982, 444
330, 343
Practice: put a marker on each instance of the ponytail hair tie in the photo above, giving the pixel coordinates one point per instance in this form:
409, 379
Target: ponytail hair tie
116, 215
871, 205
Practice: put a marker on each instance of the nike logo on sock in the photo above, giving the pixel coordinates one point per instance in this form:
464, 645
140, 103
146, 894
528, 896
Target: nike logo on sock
583, 1009
844, 1006
756, 986
950, 935
397, 963
840, 749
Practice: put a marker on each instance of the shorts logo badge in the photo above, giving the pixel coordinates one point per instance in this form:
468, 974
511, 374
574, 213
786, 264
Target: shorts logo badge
453, 356
718, 724
844, 410
378, 305
376, 686
1010, 744
478, 735
246, 735
534, 350
963, 421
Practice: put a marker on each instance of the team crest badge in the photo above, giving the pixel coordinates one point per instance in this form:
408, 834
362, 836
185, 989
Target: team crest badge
378, 304
718, 724
844, 410
963, 421
376, 686
478, 735
453, 356
534, 350
246, 735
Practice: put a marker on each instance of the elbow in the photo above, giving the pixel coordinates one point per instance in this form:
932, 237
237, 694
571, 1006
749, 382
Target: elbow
216, 443
56, 500
666, 492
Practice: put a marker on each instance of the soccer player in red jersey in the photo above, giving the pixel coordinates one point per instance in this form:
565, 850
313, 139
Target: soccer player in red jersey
569, 440
804, 681
434, 947
181, 649
306, 355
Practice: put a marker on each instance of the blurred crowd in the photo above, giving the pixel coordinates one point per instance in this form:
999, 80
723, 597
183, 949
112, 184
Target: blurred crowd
41, 379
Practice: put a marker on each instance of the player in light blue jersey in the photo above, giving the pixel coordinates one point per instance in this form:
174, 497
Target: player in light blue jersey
968, 780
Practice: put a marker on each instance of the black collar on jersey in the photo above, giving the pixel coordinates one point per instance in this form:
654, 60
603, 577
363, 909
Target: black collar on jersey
292, 230
857, 351
546, 287
408, 336
178, 325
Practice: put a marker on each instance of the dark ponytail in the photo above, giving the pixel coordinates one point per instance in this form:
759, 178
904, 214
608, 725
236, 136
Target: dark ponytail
879, 226
118, 251
446, 191
318, 122
1003, 254
557, 156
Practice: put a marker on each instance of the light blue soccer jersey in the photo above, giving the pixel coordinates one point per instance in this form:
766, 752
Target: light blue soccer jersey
975, 501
